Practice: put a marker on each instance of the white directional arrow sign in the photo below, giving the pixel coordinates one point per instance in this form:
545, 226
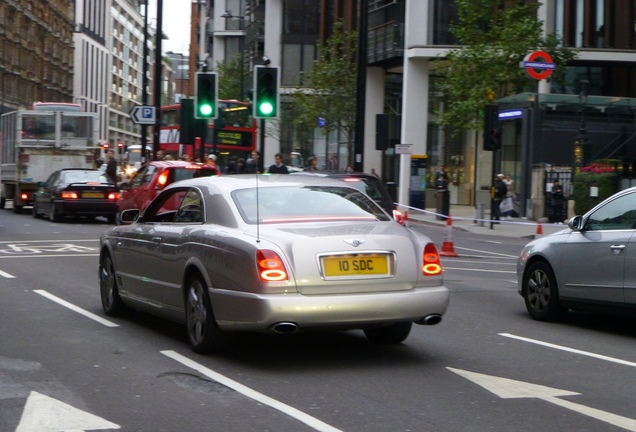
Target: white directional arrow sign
45, 414
142, 114
508, 389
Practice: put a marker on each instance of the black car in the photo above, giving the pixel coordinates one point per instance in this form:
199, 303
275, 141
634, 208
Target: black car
76, 192
367, 183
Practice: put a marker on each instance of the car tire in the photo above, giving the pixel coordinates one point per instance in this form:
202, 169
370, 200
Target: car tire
55, 215
112, 303
541, 294
204, 334
17, 209
3, 203
389, 334
111, 219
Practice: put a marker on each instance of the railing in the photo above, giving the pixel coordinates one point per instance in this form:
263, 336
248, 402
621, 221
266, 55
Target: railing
385, 42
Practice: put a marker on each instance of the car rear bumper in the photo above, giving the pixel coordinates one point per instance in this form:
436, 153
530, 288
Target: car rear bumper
252, 312
88, 207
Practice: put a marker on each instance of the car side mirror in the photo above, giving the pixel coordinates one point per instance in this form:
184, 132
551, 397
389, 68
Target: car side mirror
576, 223
129, 216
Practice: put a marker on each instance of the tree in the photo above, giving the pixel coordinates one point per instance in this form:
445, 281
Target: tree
495, 36
230, 72
329, 93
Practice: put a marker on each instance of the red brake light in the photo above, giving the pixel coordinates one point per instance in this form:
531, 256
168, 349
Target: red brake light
114, 196
431, 265
24, 197
162, 180
352, 179
69, 195
270, 266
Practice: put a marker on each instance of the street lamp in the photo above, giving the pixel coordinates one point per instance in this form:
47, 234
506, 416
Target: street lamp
228, 15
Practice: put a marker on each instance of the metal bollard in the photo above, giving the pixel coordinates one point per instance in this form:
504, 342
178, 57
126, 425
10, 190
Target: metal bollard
480, 214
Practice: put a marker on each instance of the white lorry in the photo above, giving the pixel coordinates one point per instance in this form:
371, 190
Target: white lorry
34, 144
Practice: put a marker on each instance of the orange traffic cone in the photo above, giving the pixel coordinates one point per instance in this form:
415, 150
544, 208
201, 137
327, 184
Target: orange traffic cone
539, 230
447, 247
406, 215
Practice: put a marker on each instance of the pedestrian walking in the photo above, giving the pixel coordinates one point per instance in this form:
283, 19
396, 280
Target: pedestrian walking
499, 193
510, 196
557, 202
111, 166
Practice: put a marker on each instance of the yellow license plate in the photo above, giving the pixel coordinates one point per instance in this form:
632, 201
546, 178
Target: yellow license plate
359, 265
92, 195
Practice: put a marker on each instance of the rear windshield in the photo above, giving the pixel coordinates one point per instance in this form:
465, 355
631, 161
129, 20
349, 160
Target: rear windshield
85, 177
305, 204
185, 173
366, 185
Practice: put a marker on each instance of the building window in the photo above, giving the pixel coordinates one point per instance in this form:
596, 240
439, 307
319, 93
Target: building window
301, 17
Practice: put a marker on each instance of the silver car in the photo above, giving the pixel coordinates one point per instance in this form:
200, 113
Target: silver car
271, 253
591, 265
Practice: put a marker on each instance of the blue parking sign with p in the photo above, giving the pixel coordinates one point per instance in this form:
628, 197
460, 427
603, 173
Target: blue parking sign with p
147, 113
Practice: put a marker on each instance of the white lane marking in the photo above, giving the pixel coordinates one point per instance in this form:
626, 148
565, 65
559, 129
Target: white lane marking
487, 252
45, 414
7, 275
76, 309
572, 350
507, 388
478, 270
246, 391
498, 263
48, 256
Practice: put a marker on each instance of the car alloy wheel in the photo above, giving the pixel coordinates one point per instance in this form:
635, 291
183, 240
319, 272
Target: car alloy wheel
203, 332
111, 302
541, 294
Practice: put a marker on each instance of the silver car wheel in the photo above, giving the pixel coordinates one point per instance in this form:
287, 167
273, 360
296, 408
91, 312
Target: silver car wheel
203, 332
111, 302
541, 293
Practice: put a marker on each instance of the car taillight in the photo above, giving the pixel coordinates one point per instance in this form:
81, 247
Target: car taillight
24, 196
397, 215
270, 266
69, 195
162, 180
113, 196
430, 261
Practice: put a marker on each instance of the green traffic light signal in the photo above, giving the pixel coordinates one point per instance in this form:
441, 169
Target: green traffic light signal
206, 92
266, 92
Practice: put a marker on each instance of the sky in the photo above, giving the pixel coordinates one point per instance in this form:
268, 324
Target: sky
176, 24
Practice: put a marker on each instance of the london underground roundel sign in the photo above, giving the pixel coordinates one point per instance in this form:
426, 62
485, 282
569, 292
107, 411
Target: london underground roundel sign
538, 65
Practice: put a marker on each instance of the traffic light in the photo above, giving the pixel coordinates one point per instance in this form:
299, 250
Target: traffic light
206, 91
266, 92
492, 133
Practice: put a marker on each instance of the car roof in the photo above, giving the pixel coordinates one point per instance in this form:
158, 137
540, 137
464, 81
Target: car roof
78, 169
226, 184
334, 174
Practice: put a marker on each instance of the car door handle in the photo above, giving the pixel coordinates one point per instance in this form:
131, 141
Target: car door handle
617, 248
156, 239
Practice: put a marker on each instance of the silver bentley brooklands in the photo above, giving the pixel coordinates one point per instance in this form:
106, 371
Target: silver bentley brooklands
271, 253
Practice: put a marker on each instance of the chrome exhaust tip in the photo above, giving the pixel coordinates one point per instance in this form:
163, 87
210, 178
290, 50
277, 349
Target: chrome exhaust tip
431, 319
285, 327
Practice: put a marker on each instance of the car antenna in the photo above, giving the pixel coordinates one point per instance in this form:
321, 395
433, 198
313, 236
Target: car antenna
258, 218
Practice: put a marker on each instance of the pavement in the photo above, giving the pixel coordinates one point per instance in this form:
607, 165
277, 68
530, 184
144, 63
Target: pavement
463, 217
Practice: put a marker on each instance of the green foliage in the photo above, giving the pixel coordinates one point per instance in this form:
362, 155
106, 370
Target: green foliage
330, 87
494, 39
583, 181
230, 72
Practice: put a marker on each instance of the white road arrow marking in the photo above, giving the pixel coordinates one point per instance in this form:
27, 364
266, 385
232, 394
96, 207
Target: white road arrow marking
45, 414
507, 389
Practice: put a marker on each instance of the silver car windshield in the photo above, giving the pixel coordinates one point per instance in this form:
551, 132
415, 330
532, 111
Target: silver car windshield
305, 204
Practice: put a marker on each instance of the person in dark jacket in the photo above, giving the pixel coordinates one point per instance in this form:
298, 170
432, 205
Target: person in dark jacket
111, 166
557, 202
499, 193
278, 167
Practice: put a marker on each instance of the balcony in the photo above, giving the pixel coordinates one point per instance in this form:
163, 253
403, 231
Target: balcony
385, 43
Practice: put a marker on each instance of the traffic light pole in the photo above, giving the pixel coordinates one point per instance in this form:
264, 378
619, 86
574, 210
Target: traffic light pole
261, 140
144, 86
157, 78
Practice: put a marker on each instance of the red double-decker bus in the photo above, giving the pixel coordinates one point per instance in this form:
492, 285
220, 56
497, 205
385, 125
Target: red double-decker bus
236, 139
